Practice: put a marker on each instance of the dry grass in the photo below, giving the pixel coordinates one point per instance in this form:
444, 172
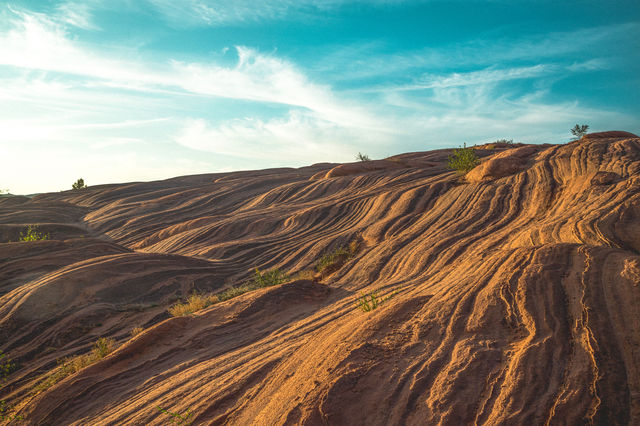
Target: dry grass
306, 274
136, 330
68, 366
196, 302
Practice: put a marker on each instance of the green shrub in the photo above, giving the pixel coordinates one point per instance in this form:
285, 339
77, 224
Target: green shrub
267, 278
508, 141
68, 366
463, 159
79, 184
32, 234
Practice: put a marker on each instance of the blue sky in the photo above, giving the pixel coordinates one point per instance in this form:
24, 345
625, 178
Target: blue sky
124, 90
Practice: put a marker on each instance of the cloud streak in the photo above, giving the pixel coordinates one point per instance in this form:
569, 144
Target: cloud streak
220, 12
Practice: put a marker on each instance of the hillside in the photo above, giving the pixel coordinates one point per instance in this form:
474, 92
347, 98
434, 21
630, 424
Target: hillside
513, 295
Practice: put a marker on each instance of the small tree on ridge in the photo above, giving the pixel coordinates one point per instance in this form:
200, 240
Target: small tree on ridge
79, 184
362, 157
579, 130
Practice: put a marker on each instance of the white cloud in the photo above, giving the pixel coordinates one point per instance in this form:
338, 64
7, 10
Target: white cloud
297, 137
37, 43
480, 77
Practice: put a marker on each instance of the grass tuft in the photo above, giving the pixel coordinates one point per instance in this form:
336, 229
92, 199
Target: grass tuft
136, 330
367, 302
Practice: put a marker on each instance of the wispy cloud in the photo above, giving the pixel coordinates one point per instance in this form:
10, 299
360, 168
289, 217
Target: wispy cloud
217, 12
38, 43
480, 77
359, 62
77, 14
297, 137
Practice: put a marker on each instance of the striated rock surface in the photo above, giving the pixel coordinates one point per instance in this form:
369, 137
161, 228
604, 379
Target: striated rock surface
518, 293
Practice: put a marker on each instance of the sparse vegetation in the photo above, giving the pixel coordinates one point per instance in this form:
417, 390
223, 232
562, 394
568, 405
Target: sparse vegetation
362, 157
136, 330
232, 292
79, 184
268, 278
463, 159
6, 366
334, 260
196, 302
507, 141
32, 234
68, 366
6, 413
579, 130
306, 274
367, 302
176, 417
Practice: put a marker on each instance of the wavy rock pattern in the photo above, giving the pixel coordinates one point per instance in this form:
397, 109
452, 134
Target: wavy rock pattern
518, 293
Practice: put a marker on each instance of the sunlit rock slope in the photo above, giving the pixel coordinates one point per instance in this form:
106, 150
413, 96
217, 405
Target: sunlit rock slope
517, 293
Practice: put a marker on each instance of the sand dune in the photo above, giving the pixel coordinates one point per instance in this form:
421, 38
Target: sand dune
517, 293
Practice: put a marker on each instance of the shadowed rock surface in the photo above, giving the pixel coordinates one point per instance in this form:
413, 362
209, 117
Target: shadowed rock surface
518, 293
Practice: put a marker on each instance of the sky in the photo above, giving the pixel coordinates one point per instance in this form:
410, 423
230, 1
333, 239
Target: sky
136, 90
